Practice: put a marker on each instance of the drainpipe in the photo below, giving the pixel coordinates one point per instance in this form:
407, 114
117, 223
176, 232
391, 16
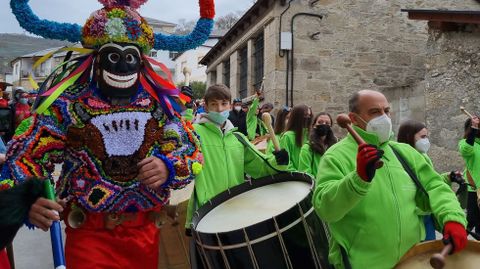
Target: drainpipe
292, 58
282, 52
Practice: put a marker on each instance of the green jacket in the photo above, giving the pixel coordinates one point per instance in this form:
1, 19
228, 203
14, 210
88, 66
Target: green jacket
253, 121
226, 160
287, 142
376, 223
309, 160
471, 155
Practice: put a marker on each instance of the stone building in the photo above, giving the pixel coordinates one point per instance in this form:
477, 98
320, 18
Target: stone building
452, 79
319, 52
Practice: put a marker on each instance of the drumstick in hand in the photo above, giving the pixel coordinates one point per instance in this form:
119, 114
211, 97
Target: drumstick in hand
267, 119
437, 261
465, 112
344, 121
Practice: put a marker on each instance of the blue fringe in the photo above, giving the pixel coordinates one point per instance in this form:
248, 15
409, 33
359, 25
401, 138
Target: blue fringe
45, 28
183, 43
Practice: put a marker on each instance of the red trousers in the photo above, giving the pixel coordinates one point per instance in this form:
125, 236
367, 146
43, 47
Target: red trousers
4, 263
130, 246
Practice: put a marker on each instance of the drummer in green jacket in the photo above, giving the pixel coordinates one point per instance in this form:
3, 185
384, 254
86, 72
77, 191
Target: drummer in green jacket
321, 138
296, 134
469, 148
228, 154
371, 210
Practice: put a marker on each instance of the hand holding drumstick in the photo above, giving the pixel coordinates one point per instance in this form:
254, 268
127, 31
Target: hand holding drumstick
368, 156
471, 140
437, 261
475, 119
281, 155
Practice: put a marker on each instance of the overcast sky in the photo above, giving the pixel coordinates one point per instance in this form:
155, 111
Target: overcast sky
77, 11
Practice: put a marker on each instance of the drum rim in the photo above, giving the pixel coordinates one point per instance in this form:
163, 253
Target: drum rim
247, 186
429, 246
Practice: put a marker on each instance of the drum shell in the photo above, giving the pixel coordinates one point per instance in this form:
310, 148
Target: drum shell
302, 242
418, 257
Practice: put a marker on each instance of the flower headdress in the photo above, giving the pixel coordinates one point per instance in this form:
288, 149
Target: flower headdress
118, 21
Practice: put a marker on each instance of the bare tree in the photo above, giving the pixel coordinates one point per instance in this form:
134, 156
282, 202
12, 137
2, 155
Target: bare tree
221, 23
226, 22
184, 27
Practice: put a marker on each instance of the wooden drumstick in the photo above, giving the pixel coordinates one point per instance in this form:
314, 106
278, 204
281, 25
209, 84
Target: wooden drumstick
465, 112
267, 119
437, 261
344, 121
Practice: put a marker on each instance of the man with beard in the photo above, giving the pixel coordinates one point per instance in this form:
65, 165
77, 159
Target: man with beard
115, 125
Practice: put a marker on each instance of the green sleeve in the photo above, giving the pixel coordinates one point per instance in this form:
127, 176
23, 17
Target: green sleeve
443, 202
287, 142
252, 119
338, 190
428, 160
306, 159
465, 149
187, 115
446, 178
258, 164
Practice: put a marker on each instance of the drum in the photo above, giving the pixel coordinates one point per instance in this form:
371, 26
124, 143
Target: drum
261, 143
174, 244
263, 223
418, 257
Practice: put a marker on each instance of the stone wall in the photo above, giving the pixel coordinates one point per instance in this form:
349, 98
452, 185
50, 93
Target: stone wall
452, 80
367, 44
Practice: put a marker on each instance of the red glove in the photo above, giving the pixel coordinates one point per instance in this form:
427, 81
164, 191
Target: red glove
455, 233
367, 156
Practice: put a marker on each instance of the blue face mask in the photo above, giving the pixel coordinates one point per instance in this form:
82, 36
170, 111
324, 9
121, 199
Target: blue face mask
23, 101
218, 118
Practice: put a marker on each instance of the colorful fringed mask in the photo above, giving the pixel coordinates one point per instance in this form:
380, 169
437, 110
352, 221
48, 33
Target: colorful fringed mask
120, 25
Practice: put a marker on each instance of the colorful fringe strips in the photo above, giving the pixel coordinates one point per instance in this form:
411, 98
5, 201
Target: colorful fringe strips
162, 90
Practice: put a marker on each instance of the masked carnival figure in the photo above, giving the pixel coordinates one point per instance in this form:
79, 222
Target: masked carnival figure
115, 126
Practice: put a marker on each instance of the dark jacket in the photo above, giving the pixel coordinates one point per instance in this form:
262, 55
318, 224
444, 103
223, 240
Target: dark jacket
239, 120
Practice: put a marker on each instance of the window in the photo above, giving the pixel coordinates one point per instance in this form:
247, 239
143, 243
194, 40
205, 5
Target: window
153, 53
258, 58
226, 73
172, 55
243, 63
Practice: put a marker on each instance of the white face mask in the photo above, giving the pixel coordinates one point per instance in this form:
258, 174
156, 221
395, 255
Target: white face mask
381, 126
422, 145
237, 108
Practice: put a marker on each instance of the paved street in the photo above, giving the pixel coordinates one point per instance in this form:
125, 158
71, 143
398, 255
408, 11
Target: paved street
33, 249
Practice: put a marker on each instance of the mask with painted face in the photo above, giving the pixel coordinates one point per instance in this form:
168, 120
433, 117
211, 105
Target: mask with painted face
118, 70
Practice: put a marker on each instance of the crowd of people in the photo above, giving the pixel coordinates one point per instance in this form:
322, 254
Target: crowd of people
350, 187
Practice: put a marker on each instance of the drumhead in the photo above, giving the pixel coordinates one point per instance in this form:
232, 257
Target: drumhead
253, 206
418, 257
